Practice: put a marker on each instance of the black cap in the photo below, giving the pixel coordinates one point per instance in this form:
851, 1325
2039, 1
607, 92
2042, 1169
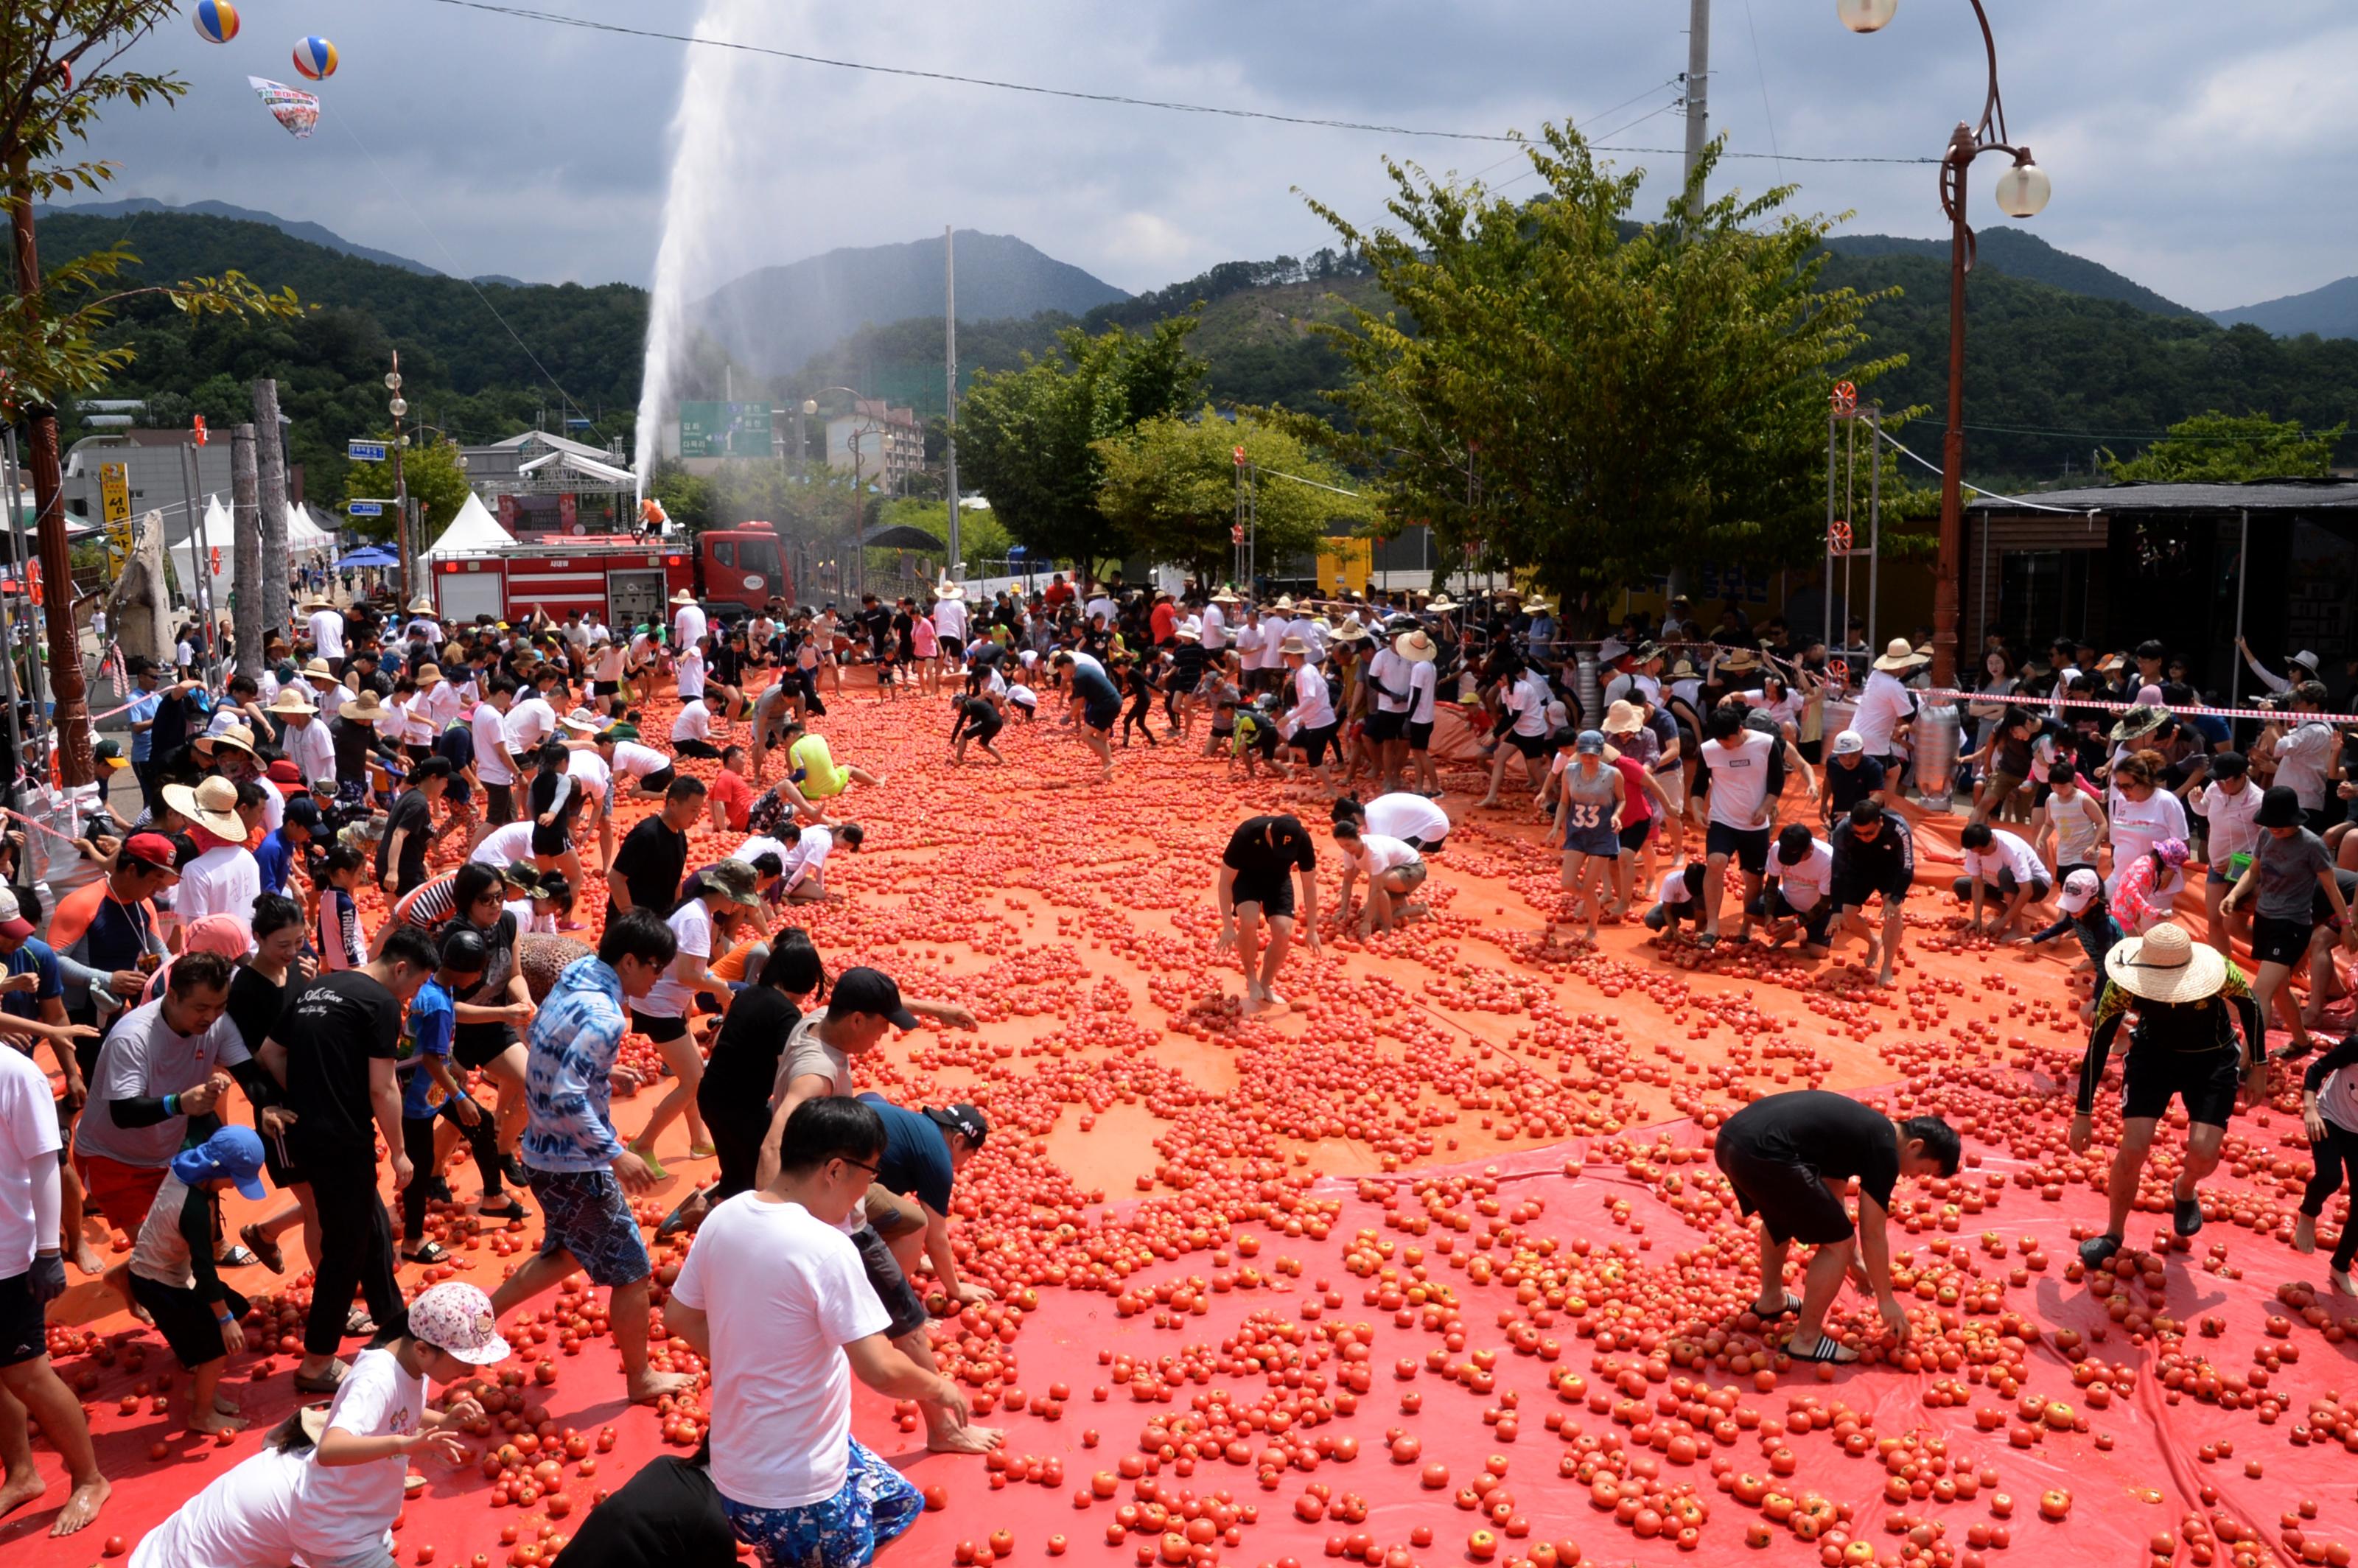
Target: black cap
872, 991
2280, 807
303, 811
962, 1118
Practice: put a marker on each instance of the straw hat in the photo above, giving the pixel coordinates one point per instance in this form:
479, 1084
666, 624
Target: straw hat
317, 670
364, 709
949, 590
1611, 649
289, 702
1351, 632
1737, 661
582, 719
428, 675
1224, 597
683, 597
1900, 657
1624, 717
2164, 964
237, 737
315, 601
2139, 721
1683, 669
213, 805
421, 605
1284, 601
1415, 647
1443, 605
1293, 647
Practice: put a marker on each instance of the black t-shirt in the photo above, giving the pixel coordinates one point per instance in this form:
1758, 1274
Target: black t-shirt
332, 1029
490, 991
412, 814
1846, 786
651, 860
669, 1512
1832, 1134
352, 740
1254, 859
171, 726
255, 1004
744, 1067
728, 664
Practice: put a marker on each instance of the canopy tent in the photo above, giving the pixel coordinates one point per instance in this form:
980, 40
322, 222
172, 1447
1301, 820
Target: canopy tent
220, 535
474, 532
372, 555
901, 536
303, 535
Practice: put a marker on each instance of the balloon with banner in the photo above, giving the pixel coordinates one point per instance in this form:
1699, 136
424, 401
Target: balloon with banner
291, 106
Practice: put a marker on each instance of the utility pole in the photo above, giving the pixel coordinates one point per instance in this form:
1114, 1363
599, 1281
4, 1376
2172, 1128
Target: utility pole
247, 495
1698, 86
67, 688
949, 326
268, 587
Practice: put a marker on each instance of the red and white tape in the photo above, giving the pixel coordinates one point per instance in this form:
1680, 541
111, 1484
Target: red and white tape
2260, 713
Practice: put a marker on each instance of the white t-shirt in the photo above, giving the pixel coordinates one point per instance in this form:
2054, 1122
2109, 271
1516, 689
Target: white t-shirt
1528, 700
345, 1508
441, 704
505, 844
1424, 688
541, 924
2232, 831
694, 723
2007, 851
327, 632
2139, 825
330, 698
804, 859
1739, 778
757, 846
1387, 672
691, 926
634, 762
1312, 709
225, 879
249, 1515
1404, 815
589, 769
688, 625
1674, 889
28, 1134
1213, 628
310, 748
1018, 693
781, 1422
490, 730
1802, 884
691, 665
529, 722
949, 622
606, 667
144, 1058
1381, 852
1882, 709
1249, 639
1098, 606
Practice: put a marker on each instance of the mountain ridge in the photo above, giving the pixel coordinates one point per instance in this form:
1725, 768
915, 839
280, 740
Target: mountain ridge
293, 228
2329, 311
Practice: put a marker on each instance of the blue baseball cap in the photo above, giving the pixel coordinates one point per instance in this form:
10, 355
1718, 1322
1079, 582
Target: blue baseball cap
234, 1152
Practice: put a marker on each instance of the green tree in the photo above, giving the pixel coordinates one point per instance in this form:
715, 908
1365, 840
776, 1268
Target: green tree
1590, 397
1171, 485
981, 537
57, 74
2223, 449
1027, 438
684, 497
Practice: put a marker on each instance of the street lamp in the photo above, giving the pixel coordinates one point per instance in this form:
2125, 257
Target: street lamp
398, 405
859, 553
2021, 193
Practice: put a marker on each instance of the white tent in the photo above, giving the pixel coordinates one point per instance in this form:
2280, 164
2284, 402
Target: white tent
303, 535
220, 540
473, 532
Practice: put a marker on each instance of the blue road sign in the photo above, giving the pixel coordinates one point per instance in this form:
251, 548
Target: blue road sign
365, 451
366, 508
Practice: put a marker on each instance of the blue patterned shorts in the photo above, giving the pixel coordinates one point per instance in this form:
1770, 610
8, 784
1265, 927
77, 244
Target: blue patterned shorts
585, 1214
876, 1504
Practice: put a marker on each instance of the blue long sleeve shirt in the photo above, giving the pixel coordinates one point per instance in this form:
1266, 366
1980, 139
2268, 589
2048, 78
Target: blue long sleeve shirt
568, 1068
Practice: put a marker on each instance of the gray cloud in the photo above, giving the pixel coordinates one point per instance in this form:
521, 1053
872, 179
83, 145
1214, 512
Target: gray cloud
2197, 149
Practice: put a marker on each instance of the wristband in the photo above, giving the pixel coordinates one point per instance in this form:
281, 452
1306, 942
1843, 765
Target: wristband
171, 1105
224, 1318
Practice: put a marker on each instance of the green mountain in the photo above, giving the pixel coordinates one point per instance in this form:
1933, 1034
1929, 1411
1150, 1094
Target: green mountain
2018, 253
2330, 312
773, 319
139, 206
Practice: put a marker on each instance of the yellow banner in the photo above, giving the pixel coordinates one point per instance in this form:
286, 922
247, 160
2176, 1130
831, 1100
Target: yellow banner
1345, 564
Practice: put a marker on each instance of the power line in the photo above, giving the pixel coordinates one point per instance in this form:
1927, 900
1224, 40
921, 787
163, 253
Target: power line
558, 18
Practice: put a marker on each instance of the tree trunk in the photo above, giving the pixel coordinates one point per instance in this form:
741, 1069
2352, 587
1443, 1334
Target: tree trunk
270, 466
245, 488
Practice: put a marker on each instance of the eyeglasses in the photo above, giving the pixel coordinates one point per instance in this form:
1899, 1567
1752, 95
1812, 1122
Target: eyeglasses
860, 1165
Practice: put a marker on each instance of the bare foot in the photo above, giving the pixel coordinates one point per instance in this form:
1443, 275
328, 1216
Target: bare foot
2344, 1282
2304, 1234
226, 1406
648, 1386
87, 1260
967, 1439
83, 1506
1270, 998
211, 1422
20, 1490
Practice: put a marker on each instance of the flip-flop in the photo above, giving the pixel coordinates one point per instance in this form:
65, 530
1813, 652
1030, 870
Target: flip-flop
236, 1258
264, 1248
327, 1385
2186, 1215
1826, 1351
512, 1209
429, 1253
1793, 1305
2097, 1250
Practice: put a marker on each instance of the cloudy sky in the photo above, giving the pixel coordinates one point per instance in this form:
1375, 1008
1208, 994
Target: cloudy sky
2206, 151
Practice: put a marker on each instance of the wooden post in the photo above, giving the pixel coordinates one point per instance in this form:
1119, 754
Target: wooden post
269, 591
245, 493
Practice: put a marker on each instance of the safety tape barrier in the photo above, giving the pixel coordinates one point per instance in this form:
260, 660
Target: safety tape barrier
2275, 715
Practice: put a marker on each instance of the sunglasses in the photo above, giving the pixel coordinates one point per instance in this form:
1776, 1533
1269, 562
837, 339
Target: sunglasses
860, 1165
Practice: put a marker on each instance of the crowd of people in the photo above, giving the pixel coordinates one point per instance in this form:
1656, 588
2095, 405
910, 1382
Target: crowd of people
472, 773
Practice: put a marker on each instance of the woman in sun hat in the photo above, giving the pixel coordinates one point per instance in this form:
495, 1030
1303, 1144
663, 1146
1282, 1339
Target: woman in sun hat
2183, 994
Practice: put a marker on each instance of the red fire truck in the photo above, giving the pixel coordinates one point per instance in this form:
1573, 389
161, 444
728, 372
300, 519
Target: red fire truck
622, 581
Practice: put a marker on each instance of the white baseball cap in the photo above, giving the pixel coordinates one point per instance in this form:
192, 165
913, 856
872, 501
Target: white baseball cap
1849, 741
2080, 891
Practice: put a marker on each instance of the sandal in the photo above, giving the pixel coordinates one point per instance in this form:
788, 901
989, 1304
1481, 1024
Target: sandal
512, 1209
236, 1258
1793, 1305
2097, 1250
704, 1151
429, 1253
327, 1385
264, 1248
358, 1325
1824, 1350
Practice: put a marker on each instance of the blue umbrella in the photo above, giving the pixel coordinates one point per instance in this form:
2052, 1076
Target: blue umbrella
371, 555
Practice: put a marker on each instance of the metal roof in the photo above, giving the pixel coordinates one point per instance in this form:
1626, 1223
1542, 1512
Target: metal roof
2256, 495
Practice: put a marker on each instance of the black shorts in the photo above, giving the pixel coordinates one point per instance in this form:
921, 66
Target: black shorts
1315, 742
475, 1046
2004, 887
657, 781
1383, 726
1275, 898
658, 1029
891, 1285
284, 1174
1533, 747
1793, 1203
1634, 834
1420, 736
23, 1335
1101, 715
553, 840
186, 1319
2276, 941
2206, 1080
499, 804
1815, 919
1748, 847
605, 688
